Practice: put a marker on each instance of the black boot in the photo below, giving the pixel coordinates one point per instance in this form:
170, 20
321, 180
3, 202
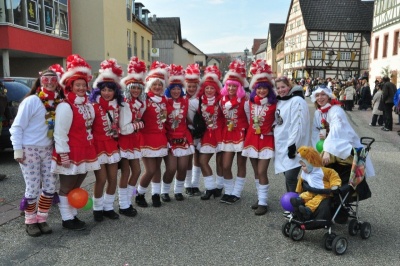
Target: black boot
207, 195
141, 201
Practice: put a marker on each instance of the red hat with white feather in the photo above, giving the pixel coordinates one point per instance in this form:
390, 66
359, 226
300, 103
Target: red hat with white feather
136, 73
77, 68
261, 72
109, 71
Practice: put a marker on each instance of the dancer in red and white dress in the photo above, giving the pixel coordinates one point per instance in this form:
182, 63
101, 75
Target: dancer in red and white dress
259, 142
234, 132
154, 139
130, 136
106, 98
32, 139
180, 142
192, 86
210, 143
74, 154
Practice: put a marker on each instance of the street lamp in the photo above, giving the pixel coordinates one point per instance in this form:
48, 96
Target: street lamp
246, 52
330, 54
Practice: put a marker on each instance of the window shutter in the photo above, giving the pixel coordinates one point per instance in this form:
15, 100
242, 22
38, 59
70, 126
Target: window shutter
323, 55
309, 54
353, 56
338, 56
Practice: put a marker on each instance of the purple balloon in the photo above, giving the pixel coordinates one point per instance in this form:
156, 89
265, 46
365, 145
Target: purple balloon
285, 201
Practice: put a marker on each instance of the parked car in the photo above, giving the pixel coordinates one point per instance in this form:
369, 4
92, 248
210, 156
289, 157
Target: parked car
24, 80
16, 92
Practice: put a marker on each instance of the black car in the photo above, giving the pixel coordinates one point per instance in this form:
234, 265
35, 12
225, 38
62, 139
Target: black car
16, 91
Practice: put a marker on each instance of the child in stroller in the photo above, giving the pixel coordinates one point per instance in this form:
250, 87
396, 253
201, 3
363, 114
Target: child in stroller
343, 204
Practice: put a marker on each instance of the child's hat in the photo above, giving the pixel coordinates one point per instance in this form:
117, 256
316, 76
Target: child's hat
310, 155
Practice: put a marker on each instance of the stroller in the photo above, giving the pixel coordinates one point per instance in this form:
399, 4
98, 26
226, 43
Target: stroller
343, 205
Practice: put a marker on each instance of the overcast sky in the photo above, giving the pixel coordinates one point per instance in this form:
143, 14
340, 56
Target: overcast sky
215, 26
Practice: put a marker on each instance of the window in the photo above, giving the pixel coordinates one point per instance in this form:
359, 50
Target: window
345, 55
347, 74
350, 37
316, 55
298, 23
376, 48
129, 10
319, 74
134, 43
320, 36
148, 51
129, 44
142, 47
385, 45
396, 42
299, 38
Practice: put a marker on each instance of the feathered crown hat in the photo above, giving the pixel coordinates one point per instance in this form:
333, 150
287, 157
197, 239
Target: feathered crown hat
261, 72
158, 71
192, 74
212, 75
109, 71
77, 68
176, 75
136, 73
237, 72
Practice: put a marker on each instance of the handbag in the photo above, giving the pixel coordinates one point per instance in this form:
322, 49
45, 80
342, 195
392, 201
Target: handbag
199, 124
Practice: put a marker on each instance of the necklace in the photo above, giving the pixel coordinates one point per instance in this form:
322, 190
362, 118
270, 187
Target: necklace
50, 100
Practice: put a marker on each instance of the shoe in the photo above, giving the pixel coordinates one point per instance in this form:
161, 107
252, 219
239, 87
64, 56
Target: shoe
225, 198
189, 191
382, 127
208, 193
305, 211
33, 230
2, 177
261, 210
254, 206
165, 197
98, 216
130, 211
73, 225
111, 214
179, 197
386, 129
141, 201
232, 199
76, 220
44, 228
156, 200
196, 191
218, 192
296, 202
372, 125
286, 213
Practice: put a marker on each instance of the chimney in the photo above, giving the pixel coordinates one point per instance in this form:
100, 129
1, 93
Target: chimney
154, 19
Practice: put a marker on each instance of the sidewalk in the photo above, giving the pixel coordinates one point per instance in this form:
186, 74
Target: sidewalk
10, 210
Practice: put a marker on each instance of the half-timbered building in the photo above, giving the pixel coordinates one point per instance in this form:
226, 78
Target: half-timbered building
385, 41
327, 38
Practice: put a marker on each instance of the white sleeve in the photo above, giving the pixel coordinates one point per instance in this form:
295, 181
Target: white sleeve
315, 129
64, 116
25, 112
247, 110
125, 120
193, 106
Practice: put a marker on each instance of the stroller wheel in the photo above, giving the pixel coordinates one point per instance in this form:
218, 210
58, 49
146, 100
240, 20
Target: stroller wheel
296, 233
339, 245
327, 240
365, 230
286, 229
353, 227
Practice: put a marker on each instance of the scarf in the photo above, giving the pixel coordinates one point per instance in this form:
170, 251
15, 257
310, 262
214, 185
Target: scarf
51, 95
210, 102
260, 100
231, 103
75, 99
106, 105
155, 98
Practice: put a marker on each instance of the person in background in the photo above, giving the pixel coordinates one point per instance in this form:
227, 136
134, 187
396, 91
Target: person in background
388, 93
106, 98
365, 95
259, 143
350, 93
207, 105
234, 131
291, 131
74, 153
130, 124
4, 113
396, 101
32, 140
377, 115
192, 86
154, 143
180, 142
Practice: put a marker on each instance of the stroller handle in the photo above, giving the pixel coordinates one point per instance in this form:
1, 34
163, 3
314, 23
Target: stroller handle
367, 141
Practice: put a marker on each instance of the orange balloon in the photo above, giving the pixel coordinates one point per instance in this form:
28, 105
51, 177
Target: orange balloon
78, 198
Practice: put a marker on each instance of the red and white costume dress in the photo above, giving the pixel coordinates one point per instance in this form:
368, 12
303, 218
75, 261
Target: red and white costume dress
154, 116
130, 136
259, 142
212, 115
105, 130
235, 124
73, 135
180, 141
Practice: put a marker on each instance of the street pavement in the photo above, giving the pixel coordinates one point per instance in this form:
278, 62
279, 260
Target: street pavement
195, 232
